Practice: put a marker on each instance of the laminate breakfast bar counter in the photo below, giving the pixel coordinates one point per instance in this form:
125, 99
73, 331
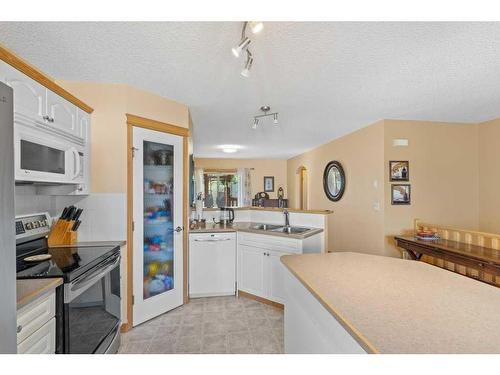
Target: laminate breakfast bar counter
360, 303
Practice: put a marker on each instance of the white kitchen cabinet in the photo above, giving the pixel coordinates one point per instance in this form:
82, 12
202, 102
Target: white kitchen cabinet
83, 120
251, 269
43, 341
29, 95
260, 271
36, 329
39, 108
212, 264
35, 105
62, 114
274, 277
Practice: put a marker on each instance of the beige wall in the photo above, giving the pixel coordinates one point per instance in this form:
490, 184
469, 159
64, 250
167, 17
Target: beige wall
489, 176
354, 224
261, 168
443, 175
444, 178
109, 130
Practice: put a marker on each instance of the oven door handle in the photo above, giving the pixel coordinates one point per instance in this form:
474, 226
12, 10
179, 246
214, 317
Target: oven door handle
94, 276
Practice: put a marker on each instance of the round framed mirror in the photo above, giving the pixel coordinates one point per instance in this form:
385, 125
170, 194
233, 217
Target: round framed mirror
334, 181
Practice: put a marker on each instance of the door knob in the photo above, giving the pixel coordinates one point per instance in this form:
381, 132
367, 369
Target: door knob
179, 229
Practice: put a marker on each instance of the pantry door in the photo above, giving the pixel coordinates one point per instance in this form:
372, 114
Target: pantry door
157, 223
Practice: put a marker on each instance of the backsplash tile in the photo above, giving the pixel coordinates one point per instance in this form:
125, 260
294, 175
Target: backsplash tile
104, 217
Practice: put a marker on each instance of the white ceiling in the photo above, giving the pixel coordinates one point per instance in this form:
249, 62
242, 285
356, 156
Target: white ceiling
325, 79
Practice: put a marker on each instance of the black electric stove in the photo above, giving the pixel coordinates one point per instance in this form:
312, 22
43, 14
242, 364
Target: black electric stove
66, 262
88, 304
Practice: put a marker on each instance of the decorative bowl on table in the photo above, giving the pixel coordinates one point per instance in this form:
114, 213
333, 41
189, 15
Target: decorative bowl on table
427, 235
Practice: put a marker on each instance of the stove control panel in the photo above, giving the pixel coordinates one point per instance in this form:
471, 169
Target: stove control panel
29, 227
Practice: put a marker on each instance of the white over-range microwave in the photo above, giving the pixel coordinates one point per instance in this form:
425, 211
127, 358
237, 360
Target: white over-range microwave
45, 157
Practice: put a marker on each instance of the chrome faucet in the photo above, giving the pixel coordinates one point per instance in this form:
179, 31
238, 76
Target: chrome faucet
287, 218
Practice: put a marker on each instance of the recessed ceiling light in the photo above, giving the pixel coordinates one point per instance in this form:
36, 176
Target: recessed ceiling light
229, 149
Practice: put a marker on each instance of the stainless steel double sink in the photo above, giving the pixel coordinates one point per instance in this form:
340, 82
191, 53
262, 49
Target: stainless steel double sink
280, 228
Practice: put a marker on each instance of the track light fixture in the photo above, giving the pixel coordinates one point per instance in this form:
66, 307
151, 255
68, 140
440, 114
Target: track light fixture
265, 109
255, 27
241, 46
255, 123
248, 65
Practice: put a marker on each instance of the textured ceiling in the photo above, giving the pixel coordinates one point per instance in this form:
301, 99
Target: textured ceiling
325, 79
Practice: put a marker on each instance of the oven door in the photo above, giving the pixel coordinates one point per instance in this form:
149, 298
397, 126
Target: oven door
92, 310
42, 157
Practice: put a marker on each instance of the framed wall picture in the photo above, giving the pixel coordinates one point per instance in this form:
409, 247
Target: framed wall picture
399, 170
400, 194
269, 184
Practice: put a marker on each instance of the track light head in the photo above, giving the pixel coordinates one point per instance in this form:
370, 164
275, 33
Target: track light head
240, 47
256, 26
275, 119
248, 65
255, 123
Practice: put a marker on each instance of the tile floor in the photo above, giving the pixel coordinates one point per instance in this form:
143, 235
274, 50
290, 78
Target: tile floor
213, 325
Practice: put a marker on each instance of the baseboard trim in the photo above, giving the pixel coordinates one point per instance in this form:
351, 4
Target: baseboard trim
260, 299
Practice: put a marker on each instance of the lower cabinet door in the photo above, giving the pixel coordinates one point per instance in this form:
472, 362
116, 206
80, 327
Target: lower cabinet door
251, 265
42, 341
273, 277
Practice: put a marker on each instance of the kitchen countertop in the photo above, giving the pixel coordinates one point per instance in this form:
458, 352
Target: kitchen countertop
391, 305
211, 227
29, 290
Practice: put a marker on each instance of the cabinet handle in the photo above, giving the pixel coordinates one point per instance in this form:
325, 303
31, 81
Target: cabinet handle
19, 328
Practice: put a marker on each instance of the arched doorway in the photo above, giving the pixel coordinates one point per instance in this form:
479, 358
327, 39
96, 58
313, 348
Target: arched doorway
303, 191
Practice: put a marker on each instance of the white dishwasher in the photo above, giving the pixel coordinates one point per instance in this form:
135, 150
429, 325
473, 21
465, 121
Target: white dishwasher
212, 264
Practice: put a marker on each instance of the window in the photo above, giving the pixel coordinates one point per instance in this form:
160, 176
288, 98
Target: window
221, 189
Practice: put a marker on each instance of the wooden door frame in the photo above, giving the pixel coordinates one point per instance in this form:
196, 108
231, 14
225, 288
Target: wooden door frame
302, 202
141, 122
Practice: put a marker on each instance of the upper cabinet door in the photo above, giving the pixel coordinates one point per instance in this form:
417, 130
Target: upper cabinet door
62, 114
29, 95
83, 120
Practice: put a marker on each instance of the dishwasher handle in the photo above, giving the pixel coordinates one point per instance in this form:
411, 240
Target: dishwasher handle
212, 239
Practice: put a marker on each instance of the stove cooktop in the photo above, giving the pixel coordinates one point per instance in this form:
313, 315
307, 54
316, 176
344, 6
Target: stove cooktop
66, 262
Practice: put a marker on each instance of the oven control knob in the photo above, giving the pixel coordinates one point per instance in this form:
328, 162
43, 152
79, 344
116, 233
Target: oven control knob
28, 226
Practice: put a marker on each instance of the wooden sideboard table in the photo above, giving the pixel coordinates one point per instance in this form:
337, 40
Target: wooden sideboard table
482, 259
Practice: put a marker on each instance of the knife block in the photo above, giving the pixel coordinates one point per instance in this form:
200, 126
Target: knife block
61, 234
